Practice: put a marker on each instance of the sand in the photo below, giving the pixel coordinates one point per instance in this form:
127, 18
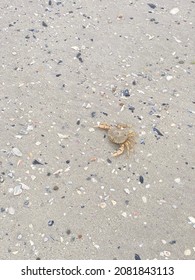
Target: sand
67, 66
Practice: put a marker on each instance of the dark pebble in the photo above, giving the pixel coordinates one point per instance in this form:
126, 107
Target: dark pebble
36, 162
50, 223
44, 24
79, 57
93, 114
78, 122
68, 231
49, 3
157, 131
55, 188
26, 203
2, 209
1, 179
109, 161
134, 83
142, 142
68, 161
104, 113
127, 202
125, 93
141, 179
58, 75
152, 6
137, 257
131, 108
172, 242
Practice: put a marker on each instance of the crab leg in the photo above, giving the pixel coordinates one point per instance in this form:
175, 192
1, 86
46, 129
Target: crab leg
119, 151
127, 146
103, 126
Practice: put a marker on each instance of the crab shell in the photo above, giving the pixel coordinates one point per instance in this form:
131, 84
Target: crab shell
119, 136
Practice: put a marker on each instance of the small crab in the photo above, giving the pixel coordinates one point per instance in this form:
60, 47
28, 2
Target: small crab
120, 134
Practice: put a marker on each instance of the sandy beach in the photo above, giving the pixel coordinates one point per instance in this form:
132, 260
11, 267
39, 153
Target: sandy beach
66, 67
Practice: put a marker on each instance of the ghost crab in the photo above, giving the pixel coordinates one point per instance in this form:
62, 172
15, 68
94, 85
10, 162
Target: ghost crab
120, 134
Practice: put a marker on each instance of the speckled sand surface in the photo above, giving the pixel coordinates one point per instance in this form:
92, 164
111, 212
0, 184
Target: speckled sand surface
67, 65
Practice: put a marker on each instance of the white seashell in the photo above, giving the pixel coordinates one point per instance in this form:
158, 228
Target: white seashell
17, 190
24, 187
63, 136
174, 11
192, 219
11, 210
16, 152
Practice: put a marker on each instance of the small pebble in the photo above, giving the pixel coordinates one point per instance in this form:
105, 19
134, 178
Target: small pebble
172, 242
192, 219
1, 179
44, 24
16, 152
187, 252
169, 78
35, 162
127, 191
137, 257
50, 223
177, 180
152, 6
11, 210
141, 179
125, 93
63, 136
24, 187
102, 205
18, 190
113, 202
167, 253
93, 114
131, 108
124, 214
174, 11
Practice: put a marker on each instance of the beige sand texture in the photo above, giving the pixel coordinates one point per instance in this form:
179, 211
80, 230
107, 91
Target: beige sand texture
67, 66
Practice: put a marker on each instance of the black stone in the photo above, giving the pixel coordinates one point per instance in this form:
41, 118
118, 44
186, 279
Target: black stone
125, 93
157, 131
141, 179
172, 242
137, 257
93, 114
50, 223
152, 6
104, 113
44, 24
131, 108
36, 162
